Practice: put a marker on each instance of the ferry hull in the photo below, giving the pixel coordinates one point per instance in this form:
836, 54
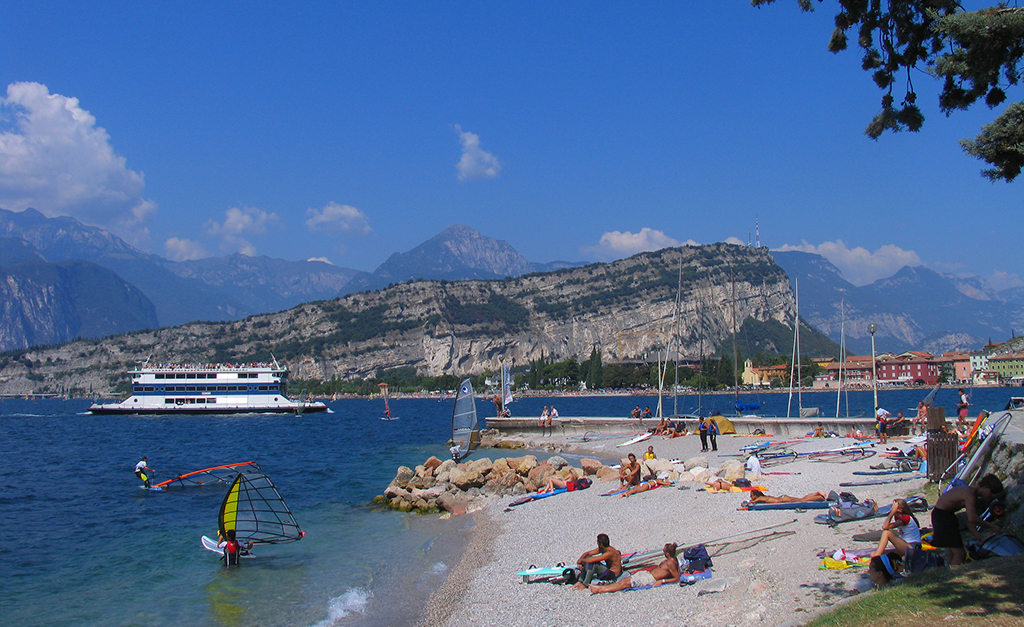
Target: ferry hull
117, 408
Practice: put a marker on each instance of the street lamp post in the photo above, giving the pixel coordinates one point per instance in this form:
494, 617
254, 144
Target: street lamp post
874, 371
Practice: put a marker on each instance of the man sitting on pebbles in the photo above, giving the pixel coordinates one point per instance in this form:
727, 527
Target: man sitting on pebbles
604, 563
665, 572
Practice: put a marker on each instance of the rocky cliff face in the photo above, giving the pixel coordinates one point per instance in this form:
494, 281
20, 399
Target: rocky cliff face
623, 308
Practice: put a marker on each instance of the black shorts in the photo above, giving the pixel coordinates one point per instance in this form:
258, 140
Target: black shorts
883, 428
946, 528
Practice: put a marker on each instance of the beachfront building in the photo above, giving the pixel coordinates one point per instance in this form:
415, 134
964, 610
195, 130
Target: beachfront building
909, 368
756, 377
957, 365
979, 361
856, 374
1009, 367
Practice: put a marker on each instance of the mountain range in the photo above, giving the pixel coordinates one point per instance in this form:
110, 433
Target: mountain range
915, 309
65, 280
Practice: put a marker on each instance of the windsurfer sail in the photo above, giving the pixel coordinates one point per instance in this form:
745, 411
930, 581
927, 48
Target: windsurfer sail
465, 425
384, 395
255, 511
217, 474
506, 384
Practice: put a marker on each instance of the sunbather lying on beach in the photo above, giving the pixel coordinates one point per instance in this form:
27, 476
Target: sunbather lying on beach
756, 496
554, 483
719, 484
644, 486
665, 572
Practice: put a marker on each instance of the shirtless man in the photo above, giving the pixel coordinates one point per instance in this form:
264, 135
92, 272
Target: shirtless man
604, 563
756, 496
665, 572
946, 525
629, 474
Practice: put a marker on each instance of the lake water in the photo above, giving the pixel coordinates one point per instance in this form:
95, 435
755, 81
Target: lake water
83, 545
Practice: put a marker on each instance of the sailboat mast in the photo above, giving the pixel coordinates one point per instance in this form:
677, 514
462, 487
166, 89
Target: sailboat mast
735, 351
676, 342
842, 358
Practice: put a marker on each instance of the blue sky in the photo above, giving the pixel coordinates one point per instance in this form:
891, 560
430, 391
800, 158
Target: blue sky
575, 131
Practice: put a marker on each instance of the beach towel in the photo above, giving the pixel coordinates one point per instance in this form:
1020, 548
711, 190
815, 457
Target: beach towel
735, 488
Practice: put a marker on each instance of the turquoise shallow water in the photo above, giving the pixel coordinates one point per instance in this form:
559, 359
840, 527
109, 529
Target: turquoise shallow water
83, 545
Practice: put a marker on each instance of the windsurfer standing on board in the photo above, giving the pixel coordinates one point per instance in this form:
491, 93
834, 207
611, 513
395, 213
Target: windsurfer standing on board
143, 471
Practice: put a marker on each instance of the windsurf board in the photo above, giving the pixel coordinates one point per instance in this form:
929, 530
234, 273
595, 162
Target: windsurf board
639, 438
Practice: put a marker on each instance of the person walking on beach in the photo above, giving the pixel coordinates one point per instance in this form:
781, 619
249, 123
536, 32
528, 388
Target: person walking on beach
603, 563
947, 526
702, 429
961, 408
665, 572
143, 471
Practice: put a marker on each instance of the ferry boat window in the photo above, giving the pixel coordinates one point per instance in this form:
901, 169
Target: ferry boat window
159, 376
190, 375
211, 400
232, 388
148, 388
190, 388
179, 375
137, 388
169, 400
263, 388
274, 388
222, 388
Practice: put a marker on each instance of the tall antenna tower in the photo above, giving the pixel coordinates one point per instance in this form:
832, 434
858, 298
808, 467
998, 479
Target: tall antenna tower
757, 232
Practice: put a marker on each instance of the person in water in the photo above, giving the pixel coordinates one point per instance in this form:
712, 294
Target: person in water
143, 471
756, 496
901, 529
232, 548
665, 572
945, 523
603, 563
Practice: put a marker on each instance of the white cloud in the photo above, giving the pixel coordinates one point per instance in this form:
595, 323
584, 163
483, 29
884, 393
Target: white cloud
475, 163
1000, 280
858, 265
321, 259
55, 159
184, 249
337, 218
239, 222
735, 240
618, 244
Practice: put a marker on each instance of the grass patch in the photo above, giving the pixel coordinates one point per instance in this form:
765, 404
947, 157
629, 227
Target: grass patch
987, 592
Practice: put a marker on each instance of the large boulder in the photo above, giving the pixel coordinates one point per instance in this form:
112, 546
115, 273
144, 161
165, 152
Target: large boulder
694, 462
403, 476
522, 465
607, 473
445, 466
453, 502
700, 475
467, 480
733, 470
590, 466
480, 466
433, 463
500, 466
558, 462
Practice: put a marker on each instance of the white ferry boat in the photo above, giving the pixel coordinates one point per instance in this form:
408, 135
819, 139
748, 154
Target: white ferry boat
208, 389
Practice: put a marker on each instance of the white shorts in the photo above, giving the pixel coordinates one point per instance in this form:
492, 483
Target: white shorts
642, 578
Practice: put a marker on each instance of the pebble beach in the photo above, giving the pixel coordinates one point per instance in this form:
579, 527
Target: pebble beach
771, 577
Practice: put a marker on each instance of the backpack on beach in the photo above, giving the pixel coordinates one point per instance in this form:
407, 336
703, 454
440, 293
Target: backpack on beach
697, 559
